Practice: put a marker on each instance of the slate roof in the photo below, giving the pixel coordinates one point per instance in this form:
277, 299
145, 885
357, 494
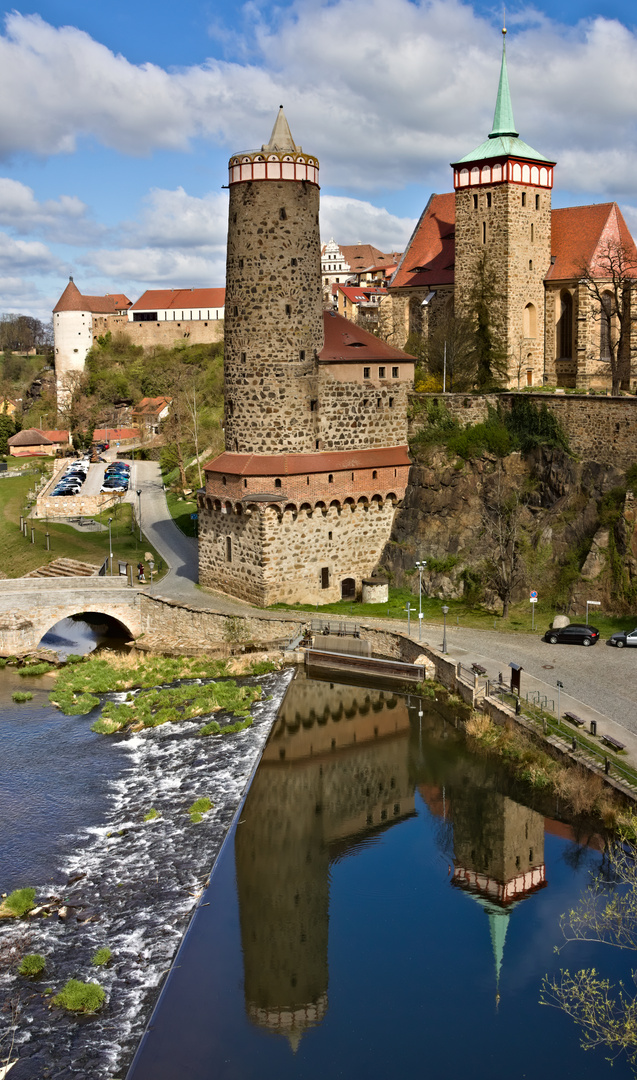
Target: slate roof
345, 342
167, 299
302, 464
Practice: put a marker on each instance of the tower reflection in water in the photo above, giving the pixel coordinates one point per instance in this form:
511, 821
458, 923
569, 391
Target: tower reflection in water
337, 771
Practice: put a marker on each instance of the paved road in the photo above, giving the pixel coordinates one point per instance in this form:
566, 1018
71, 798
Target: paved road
600, 677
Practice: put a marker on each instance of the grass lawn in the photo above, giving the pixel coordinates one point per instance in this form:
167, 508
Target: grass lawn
180, 511
460, 614
19, 555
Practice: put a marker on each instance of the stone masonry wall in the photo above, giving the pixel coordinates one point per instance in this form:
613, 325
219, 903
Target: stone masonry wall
274, 315
355, 416
602, 429
165, 333
518, 246
279, 556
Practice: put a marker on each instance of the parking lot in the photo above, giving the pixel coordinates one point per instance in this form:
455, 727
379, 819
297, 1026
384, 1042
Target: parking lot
95, 479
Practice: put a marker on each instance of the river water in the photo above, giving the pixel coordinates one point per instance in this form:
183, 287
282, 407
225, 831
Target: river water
386, 902
72, 805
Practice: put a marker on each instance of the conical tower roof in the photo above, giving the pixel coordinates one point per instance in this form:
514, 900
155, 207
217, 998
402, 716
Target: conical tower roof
71, 299
281, 137
503, 140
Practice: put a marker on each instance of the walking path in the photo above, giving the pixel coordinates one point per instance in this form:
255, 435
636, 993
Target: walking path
599, 683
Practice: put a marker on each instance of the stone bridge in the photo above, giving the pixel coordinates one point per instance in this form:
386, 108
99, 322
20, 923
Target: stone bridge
29, 607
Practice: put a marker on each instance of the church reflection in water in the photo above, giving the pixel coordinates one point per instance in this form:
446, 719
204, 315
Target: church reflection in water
343, 764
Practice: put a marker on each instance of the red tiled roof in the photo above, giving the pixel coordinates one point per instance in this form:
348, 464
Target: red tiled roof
360, 256
56, 435
299, 464
151, 406
29, 437
166, 299
110, 434
346, 342
73, 300
430, 253
578, 233
358, 294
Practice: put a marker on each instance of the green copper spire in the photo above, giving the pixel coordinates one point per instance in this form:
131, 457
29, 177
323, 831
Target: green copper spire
503, 122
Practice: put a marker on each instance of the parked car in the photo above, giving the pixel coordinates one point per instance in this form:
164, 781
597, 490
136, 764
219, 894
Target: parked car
623, 638
574, 634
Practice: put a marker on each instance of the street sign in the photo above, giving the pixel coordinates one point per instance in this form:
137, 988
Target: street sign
533, 600
533, 596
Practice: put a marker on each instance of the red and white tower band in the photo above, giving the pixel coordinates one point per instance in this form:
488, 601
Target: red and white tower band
300, 506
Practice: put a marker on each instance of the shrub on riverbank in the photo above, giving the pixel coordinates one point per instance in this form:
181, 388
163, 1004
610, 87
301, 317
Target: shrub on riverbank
32, 965
80, 997
17, 903
172, 704
213, 728
35, 669
580, 790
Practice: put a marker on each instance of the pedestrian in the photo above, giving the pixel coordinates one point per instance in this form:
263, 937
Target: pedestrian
140, 572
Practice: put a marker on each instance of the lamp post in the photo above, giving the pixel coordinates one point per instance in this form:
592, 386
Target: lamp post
139, 504
421, 566
408, 610
445, 612
110, 544
151, 567
560, 686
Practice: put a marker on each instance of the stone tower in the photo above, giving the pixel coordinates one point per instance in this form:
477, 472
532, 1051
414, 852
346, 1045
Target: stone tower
301, 504
274, 310
503, 216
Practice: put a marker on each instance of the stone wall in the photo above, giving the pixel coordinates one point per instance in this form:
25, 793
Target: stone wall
602, 429
165, 333
48, 505
356, 416
269, 556
274, 316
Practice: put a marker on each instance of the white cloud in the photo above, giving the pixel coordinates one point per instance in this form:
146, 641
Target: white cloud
142, 268
385, 94
63, 220
174, 218
352, 220
29, 255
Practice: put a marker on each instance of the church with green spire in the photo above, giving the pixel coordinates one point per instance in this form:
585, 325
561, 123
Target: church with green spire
498, 224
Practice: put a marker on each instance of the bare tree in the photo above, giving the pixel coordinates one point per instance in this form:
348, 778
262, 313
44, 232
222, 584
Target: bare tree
502, 528
610, 279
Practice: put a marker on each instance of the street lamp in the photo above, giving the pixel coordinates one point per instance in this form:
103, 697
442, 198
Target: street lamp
110, 543
151, 567
560, 686
445, 612
139, 515
408, 610
421, 566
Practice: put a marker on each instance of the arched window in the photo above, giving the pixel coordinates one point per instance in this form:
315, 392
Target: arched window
605, 327
530, 321
565, 326
277, 483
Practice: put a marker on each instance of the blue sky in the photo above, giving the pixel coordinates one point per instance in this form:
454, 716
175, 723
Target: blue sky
116, 121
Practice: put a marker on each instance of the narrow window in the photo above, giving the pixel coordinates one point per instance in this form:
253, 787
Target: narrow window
292, 262
241, 264
532, 233
391, 403
475, 202
223, 480
394, 373
489, 199
313, 405
325, 577
366, 372
307, 479
288, 309
524, 198
317, 444
484, 232
605, 326
378, 403
277, 483
282, 214
330, 478
565, 327
530, 264
245, 483
381, 373
243, 358
530, 321
329, 536
375, 474
228, 549
537, 202
235, 310
301, 354
365, 402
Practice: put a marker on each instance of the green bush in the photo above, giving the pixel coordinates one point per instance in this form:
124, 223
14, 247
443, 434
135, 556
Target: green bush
262, 667
32, 965
102, 957
80, 997
442, 566
35, 669
19, 902
21, 695
73, 658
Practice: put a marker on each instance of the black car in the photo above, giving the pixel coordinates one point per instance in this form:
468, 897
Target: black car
574, 634
623, 638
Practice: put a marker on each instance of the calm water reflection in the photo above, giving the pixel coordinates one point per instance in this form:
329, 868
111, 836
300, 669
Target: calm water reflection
388, 903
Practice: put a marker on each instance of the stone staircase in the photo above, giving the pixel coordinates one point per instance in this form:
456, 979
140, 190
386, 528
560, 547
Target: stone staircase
65, 568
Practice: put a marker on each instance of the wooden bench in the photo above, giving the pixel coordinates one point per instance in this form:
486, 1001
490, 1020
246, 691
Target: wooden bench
478, 669
574, 719
614, 743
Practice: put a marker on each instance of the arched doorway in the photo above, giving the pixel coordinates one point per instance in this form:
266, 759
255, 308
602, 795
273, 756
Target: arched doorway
348, 588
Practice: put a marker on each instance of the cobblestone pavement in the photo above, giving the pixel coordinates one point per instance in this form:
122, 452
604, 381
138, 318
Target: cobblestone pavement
601, 678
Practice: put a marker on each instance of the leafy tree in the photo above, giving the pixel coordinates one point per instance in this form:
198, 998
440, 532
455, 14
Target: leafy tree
610, 279
504, 567
7, 429
451, 352
482, 311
